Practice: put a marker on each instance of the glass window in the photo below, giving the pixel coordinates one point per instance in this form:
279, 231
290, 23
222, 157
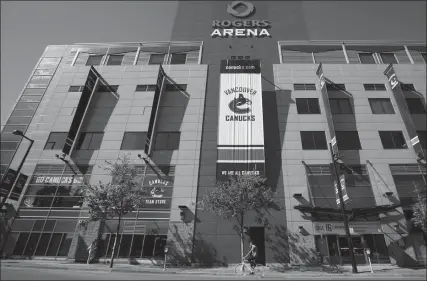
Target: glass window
178, 59
94, 59
115, 60
90, 141
18, 120
43, 243
31, 92
32, 98
407, 87
415, 106
20, 244
302, 87
55, 243
49, 62
38, 81
388, 58
133, 140
156, 59
9, 145
341, 106
75, 89
65, 244
308, 106
167, 140
108, 88
49, 225
125, 246
392, 140
6, 156
366, 58
26, 105
422, 136
148, 248
145, 88
56, 140
424, 55
175, 87
32, 244
313, 140
348, 140
335, 87
137, 246
22, 113
381, 106
374, 87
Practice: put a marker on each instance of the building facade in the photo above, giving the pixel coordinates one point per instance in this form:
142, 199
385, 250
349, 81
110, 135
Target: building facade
168, 106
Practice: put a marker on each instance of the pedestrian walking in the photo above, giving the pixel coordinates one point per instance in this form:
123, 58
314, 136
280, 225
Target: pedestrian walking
92, 249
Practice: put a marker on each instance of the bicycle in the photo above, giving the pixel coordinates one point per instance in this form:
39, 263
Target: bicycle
244, 268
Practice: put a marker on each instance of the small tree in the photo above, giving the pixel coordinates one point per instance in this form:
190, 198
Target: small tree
115, 199
232, 200
419, 217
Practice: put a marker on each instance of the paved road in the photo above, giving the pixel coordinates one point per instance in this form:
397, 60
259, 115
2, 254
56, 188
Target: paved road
19, 273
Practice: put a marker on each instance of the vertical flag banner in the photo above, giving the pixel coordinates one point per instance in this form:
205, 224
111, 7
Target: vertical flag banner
85, 98
7, 183
325, 99
398, 95
154, 111
19, 187
241, 126
343, 190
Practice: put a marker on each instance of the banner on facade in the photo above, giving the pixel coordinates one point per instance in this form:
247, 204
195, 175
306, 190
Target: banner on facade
19, 187
154, 111
82, 107
325, 98
240, 124
343, 190
7, 183
398, 95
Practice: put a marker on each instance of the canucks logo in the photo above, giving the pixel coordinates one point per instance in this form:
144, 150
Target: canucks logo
157, 192
240, 105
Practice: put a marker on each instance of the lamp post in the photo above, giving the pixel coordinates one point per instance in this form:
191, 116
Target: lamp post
344, 216
18, 133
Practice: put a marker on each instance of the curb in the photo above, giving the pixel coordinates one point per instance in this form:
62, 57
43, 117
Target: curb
203, 273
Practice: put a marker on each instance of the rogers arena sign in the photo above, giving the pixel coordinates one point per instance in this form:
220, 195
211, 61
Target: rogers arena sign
241, 28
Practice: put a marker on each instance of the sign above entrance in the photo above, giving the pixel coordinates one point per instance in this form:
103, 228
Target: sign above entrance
240, 28
337, 228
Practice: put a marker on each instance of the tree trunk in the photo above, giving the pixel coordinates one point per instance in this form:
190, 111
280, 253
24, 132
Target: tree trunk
115, 243
241, 239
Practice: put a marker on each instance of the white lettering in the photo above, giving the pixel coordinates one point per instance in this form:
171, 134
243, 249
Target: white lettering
216, 32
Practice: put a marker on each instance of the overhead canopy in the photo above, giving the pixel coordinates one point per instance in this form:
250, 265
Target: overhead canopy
353, 213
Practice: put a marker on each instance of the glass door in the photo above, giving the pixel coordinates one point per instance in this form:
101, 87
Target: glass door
358, 250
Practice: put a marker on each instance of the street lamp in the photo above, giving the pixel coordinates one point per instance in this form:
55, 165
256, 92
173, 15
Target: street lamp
18, 133
336, 160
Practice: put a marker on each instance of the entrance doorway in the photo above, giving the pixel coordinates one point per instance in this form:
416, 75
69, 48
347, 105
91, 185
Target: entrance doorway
256, 234
336, 248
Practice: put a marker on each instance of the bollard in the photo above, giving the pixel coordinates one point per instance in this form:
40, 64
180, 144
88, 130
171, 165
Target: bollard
368, 253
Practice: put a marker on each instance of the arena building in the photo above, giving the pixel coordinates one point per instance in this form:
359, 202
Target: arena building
241, 87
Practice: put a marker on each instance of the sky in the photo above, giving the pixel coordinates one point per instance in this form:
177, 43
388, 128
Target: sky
27, 27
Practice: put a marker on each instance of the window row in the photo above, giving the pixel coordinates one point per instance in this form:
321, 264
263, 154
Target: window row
139, 88
344, 106
343, 54
131, 140
349, 140
132, 246
41, 244
341, 87
118, 59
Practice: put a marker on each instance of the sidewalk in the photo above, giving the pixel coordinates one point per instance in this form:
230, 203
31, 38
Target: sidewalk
379, 270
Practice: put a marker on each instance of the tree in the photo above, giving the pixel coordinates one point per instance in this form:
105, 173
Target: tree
419, 217
115, 199
233, 199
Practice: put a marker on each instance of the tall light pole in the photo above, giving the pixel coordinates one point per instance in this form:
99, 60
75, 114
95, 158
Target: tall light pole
344, 216
18, 133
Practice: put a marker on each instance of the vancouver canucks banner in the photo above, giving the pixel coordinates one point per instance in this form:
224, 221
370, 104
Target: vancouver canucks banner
325, 99
396, 89
240, 126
